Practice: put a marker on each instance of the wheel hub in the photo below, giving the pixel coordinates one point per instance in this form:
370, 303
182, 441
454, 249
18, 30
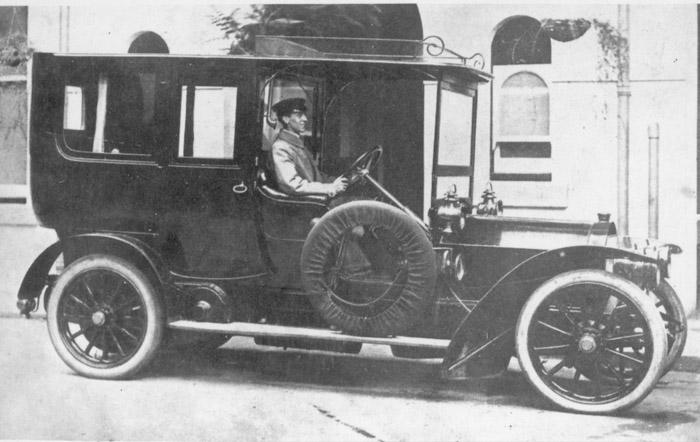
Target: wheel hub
587, 344
99, 318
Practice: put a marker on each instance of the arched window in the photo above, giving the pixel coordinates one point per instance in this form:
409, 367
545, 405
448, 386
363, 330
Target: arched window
521, 40
521, 54
148, 43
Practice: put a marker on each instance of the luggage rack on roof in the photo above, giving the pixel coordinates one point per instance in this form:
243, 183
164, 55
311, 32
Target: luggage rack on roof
430, 49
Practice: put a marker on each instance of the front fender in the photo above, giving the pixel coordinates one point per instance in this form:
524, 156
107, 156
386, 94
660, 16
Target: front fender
484, 341
133, 249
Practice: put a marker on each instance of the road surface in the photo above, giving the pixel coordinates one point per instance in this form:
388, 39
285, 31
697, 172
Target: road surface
248, 393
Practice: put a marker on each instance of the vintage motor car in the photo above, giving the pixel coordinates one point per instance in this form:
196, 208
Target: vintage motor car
155, 172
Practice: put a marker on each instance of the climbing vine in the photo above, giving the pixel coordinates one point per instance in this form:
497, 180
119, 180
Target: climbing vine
14, 48
614, 48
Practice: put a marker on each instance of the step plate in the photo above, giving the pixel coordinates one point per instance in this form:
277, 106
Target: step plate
267, 330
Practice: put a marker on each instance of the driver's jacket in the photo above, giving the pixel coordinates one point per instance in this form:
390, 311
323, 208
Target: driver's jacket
295, 169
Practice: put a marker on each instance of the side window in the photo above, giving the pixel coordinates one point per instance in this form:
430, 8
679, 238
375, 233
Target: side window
347, 131
115, 110
207, 122
366, 112
79, 111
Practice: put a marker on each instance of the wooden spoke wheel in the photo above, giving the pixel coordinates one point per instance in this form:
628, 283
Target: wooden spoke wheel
104, 317
591, 342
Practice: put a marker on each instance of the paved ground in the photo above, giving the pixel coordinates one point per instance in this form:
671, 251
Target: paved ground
246, 392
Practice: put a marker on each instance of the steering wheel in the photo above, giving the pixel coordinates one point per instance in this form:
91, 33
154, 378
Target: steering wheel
363, 165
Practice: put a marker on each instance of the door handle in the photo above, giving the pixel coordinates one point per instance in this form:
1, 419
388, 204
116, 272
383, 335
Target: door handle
240, 188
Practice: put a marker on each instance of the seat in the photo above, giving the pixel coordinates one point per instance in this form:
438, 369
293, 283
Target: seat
266, 185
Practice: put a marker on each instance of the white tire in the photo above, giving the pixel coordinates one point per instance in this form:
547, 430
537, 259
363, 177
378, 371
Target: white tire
591, 342
105, 318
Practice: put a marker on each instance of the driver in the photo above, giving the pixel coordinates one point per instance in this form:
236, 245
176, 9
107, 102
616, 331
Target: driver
296, 171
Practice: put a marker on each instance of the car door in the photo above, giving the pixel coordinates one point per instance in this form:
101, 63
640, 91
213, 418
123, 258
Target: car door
285, 220
206, 216
114, 109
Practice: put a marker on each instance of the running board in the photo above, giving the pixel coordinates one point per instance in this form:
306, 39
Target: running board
267, 330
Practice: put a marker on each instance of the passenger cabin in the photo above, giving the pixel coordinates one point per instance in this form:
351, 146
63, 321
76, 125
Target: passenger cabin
175, 149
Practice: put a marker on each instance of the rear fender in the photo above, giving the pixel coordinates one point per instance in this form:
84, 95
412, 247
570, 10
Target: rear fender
484, 341
35, 279
123, 246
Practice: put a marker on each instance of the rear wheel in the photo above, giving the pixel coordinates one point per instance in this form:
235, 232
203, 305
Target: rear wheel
105, 318
591, 342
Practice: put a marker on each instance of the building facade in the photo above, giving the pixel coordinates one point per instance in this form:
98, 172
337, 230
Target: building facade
573, 108
547, 132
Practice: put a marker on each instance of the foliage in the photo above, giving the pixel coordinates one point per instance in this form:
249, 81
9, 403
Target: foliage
13, 113
615, 49
565, 30
328, 20
14, 50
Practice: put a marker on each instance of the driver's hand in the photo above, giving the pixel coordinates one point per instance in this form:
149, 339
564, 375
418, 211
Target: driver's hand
338, 186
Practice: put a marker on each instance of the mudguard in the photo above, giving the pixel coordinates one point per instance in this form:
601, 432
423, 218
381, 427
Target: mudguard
121, 245
35, 279
484, 341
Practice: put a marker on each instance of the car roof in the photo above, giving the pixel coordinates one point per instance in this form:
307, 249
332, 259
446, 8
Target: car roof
430, 56
435, 69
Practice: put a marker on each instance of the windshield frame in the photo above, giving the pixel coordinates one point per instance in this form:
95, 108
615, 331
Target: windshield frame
438, 170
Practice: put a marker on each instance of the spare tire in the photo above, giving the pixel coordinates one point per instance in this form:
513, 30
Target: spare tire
368, 269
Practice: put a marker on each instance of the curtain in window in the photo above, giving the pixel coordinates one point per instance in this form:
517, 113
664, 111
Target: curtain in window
524, 106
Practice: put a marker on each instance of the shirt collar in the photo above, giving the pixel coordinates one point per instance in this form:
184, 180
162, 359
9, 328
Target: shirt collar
291, 138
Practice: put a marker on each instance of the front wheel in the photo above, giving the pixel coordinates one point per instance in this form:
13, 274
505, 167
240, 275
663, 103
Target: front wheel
671, 309
591, 342
105, 318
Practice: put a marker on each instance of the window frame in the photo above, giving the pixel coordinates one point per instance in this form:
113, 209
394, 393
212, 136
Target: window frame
188, 118
70, 73
208, 75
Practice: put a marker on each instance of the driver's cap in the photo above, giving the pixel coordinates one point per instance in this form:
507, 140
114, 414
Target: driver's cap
287, 106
